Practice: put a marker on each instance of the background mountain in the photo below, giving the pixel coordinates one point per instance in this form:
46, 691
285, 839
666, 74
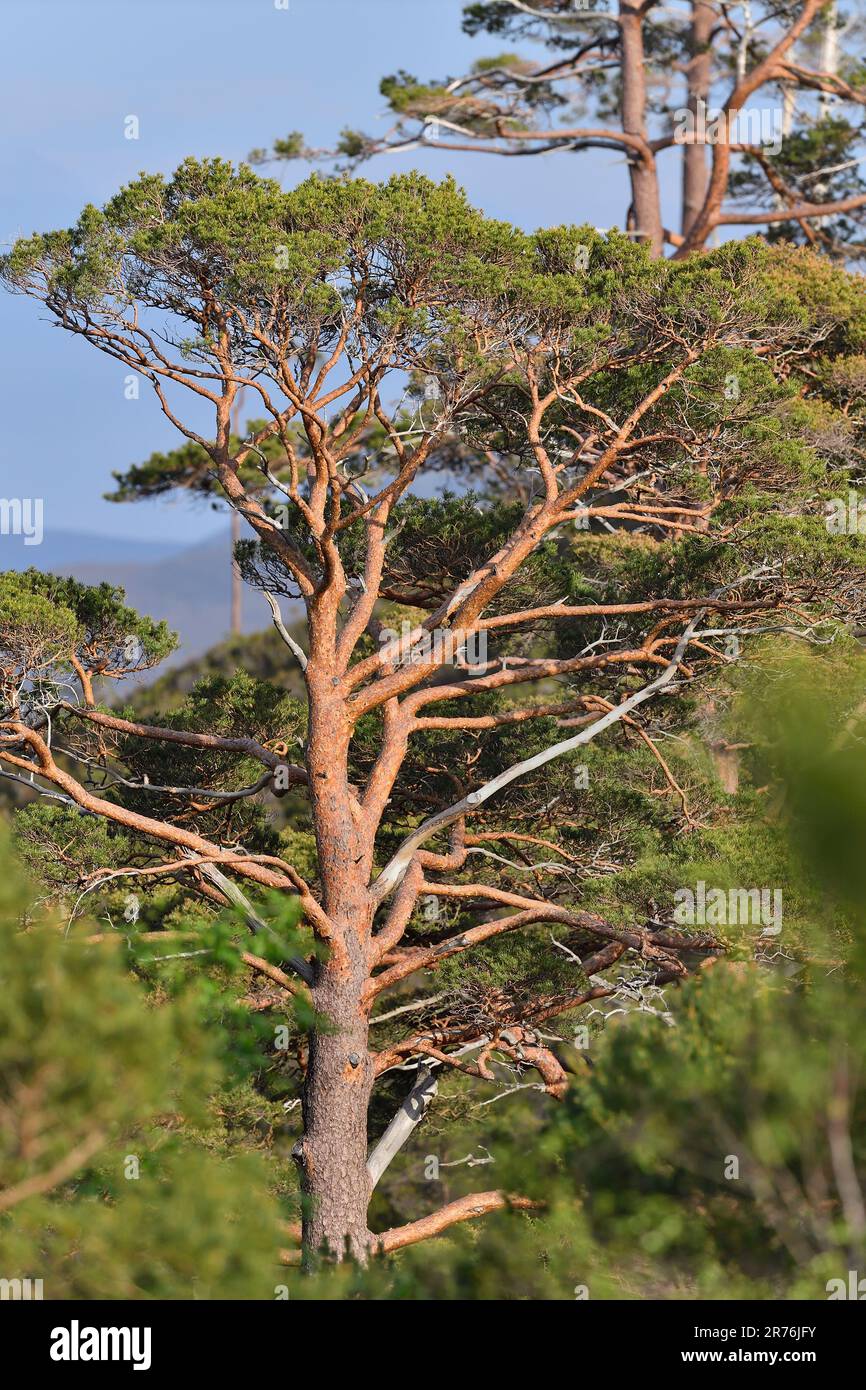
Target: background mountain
188, 586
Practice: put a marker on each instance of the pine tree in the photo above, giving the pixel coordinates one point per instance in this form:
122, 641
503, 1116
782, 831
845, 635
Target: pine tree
760, 103
483, 836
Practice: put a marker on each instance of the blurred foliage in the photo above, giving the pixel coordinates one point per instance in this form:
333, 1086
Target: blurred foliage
117, 1178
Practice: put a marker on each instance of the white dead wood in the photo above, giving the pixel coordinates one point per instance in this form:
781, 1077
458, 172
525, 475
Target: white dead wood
290, 642
404, 1123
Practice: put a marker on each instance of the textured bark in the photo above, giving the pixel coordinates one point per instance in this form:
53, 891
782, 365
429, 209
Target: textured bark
646, 210
333, 1152
695, 172
332, 1155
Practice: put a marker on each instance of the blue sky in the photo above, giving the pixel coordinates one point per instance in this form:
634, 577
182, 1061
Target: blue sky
204, 77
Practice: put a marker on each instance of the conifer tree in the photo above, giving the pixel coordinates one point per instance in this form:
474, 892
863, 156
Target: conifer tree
758, 106
491, 687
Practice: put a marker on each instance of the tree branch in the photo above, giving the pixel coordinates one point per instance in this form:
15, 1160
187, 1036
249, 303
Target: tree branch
396, 868
464, 1209
402, 1126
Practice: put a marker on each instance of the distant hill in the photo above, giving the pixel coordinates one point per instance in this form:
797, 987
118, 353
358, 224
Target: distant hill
188, 586
60, 549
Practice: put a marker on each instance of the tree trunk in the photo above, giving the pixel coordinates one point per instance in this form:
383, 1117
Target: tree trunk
646, 208
699, 79
829, 60
332, 1155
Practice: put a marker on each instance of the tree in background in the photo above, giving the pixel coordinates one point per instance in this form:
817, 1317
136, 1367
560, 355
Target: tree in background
676, 428
188, 469
760, 104
183, 470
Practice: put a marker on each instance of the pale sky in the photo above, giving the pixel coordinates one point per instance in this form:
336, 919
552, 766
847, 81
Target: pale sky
204, 77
